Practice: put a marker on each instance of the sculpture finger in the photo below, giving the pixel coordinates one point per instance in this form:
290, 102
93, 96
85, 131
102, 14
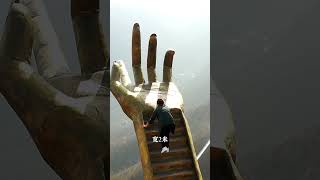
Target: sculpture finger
120, 73
136, 55
151, 60
49, 57
167, 66
92, 51
17, 38
119, 81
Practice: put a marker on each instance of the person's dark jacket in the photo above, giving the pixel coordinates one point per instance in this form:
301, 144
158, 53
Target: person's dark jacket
162, 113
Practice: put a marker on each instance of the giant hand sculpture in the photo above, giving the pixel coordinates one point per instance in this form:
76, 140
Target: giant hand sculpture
138, 100
65, 114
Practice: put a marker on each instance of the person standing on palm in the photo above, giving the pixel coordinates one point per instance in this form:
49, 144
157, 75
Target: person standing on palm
166, 123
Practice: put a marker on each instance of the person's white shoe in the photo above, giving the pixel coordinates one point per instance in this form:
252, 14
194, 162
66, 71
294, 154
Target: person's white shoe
164, 149
168, 149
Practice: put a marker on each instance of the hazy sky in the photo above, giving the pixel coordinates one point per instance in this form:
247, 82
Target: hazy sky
182, 25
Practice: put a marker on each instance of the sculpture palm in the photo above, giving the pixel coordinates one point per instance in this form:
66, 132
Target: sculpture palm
67, 115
